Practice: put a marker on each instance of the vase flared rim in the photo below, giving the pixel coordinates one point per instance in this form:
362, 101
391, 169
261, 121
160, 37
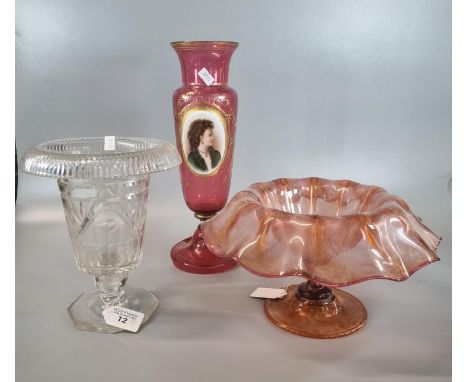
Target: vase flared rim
89, 158
201, 44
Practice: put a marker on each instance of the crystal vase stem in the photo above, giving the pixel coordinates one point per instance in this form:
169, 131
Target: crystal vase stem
111, 288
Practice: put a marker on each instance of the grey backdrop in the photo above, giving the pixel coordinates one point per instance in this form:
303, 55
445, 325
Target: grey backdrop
337, 89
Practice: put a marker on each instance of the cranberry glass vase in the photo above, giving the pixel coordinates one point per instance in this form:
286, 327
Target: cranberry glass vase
205, 111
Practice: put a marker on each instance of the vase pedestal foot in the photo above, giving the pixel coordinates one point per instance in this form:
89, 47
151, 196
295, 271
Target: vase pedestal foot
86, 310
191, 255
337, 314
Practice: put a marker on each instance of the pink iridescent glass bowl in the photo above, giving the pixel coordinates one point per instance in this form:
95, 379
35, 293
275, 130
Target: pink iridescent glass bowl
332, 232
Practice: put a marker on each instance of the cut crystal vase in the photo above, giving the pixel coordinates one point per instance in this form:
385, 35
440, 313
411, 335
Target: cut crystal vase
205, 112
104, 189
333, 233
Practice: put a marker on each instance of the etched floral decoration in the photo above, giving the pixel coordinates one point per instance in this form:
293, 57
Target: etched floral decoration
104, 191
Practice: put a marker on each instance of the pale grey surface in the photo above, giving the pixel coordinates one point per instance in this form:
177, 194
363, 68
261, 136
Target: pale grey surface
338, 89
207, 328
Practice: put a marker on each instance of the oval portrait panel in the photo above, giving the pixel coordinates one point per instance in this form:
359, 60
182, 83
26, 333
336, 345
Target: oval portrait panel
203, 135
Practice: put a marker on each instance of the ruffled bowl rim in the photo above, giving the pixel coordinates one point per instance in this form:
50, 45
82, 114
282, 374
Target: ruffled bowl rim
305, 274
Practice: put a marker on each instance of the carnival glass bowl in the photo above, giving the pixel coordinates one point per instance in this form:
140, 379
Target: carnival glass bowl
104, 187
334, 233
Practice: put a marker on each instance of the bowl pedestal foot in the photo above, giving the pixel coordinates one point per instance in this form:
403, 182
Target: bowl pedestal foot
311, 310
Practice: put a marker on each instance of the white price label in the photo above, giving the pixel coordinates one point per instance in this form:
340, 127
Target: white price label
109, 142
123, 318
268, 293
206, 76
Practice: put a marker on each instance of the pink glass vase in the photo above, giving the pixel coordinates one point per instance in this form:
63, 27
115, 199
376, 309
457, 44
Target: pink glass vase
205, 111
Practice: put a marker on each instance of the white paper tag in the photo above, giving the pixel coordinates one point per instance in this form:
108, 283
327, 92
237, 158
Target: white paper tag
109, 142
206, 76
123, 318
268, 293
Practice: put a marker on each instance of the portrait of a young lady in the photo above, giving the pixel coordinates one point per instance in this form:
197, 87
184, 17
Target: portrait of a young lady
202, 156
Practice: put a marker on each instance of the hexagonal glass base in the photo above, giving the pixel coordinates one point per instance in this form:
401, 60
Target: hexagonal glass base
86, 310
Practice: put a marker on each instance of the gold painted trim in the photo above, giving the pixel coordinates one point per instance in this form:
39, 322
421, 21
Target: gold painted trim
201, 44
204, 216
182, 117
